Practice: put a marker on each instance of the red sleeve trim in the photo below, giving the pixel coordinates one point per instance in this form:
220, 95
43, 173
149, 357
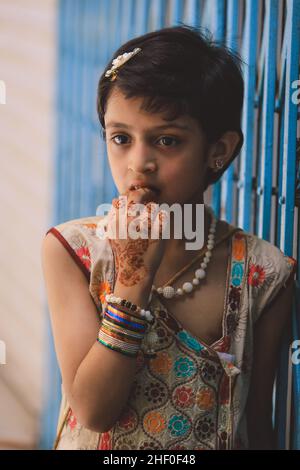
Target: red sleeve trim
294, 264
68, 247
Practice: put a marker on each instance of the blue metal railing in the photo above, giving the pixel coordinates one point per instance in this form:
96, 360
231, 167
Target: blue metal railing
256, 192
296, 370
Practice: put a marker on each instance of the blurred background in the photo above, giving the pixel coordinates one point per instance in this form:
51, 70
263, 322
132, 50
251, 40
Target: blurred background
54, 167
28, 56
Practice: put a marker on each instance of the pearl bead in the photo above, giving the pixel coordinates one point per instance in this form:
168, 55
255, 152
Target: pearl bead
200, 274
152, 337
149, 316
168, 292
187, 287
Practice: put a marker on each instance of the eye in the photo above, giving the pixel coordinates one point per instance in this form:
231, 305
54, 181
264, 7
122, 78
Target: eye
119, 135
168, 138
165, 138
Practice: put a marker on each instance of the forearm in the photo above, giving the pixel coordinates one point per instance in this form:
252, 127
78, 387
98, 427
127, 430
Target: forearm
104, 378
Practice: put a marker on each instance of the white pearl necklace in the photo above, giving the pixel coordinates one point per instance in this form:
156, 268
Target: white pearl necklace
168, 291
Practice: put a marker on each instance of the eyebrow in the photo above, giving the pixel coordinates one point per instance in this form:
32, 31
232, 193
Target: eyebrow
163, 126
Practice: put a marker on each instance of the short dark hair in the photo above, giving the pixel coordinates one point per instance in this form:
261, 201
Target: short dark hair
181, 71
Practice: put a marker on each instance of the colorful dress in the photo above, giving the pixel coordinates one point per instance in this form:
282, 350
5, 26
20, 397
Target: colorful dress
189, 395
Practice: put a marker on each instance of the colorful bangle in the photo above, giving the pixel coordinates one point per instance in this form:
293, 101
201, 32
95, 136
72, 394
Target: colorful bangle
118, 329
137, 324
117, 343
108, 335
121, 331
118, 326
115, 348
125, 336
111, 298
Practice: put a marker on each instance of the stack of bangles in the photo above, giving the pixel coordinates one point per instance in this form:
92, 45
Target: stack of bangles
124, 325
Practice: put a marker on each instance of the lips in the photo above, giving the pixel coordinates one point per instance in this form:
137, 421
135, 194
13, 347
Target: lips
138, 186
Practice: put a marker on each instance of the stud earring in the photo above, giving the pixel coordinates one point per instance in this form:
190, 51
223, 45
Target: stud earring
219, 164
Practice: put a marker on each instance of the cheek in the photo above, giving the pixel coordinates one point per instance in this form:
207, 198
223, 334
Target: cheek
117, 165
186, 169
118, 172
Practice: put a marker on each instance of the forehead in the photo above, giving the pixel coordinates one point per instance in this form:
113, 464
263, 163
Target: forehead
122, 112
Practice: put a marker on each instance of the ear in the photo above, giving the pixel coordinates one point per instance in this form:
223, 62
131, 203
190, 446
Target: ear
220, 153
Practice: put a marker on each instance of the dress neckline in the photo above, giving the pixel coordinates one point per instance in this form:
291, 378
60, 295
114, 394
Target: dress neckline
211, 346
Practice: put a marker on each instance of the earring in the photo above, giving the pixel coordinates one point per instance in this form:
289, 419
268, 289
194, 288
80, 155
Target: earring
219, 164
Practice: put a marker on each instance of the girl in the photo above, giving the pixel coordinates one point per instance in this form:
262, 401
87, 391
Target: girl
161, 347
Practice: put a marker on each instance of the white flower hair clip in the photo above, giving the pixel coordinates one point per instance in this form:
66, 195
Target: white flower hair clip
120, 60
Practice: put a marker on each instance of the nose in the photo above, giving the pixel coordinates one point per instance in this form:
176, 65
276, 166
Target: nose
141, 160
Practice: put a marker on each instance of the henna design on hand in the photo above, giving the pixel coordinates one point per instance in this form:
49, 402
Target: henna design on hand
129, 258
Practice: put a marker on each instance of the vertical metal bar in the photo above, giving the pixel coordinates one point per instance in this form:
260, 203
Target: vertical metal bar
160, 12
281, 390
218, 21
270, 29
129, 19
206, 16
280, 109
87, 91
290, 125
177, 12
249, 54
112, 23
287, 186
279, 176
99, 58
233, 11
192, 16
296, 370
141, 26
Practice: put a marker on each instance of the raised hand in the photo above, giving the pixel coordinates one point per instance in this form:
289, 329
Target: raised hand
137, 259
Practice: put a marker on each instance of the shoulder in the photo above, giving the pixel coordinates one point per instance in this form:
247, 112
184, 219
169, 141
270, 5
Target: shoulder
84, 242
87, 226
79, 238
266, 259
269, 269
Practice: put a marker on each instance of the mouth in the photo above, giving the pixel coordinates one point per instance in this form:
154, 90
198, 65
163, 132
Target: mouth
143, 188
144, 194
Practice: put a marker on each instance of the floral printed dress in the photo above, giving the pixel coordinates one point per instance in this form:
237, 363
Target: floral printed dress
188, 395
